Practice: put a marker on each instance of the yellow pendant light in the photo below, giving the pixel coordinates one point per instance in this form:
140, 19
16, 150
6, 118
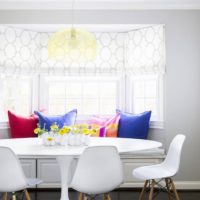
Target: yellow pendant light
73, 44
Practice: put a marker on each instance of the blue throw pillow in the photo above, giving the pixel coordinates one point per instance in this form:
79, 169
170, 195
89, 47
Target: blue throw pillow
67, 119
134, 126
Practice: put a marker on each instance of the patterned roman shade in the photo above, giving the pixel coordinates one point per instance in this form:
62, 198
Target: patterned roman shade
145, 50
19, 51
138, 51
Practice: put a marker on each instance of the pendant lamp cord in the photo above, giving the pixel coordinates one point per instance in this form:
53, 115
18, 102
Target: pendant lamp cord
73, 4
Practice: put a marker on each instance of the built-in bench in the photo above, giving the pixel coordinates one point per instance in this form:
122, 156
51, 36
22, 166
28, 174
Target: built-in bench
47, 169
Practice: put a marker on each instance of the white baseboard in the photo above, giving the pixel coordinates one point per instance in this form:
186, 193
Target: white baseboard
180, 185
187, 185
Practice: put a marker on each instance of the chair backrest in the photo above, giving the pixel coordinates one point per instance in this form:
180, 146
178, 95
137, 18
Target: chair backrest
99, 170
12, 177
172, 160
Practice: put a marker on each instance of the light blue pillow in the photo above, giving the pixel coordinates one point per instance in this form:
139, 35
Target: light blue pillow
134, 126
67, 119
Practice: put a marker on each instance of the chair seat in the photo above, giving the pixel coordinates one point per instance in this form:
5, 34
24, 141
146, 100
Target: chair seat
33, 181
152, 172
99, 170
165, 170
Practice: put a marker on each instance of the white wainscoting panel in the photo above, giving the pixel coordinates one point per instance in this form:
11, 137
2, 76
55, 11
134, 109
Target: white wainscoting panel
29, 167
48, 171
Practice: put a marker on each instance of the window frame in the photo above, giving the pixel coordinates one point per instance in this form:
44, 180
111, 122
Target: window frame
43, 100
32, 106
39, 97
154, 123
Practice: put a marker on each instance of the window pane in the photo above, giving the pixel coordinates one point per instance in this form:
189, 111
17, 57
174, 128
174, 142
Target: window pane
74, 104
57, 89
56, 106
108, 90
145, 90
88, 95
139, 105
73, 90
151, 88
15, 96
138, 89
90, 106
106, 106
150, 104
91, 90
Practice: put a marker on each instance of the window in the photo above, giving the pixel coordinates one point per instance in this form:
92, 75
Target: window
90, 95
15, 96
135, 59
146, 94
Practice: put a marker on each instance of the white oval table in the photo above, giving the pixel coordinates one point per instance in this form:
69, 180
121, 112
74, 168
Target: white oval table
32, 147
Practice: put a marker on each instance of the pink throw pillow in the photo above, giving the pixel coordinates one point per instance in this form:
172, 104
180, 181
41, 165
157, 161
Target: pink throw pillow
109, 126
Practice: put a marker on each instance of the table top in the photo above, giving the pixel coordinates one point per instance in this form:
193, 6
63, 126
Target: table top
34, 146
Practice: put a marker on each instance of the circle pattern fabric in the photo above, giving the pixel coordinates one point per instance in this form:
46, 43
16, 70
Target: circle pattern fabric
138, 51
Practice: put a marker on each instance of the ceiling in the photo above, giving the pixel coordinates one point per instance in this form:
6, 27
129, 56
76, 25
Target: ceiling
90, 27
98, 4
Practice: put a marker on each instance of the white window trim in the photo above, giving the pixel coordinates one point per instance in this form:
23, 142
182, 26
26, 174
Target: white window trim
33, 100
35, 93
4, 125
39, 98
42, 91
43, 102
155, 124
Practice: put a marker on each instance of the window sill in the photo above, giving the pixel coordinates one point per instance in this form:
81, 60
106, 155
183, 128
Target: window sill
4, 125
156, 124
153, 124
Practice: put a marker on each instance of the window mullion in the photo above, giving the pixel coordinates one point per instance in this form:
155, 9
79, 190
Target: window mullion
128, 95
66, 97
35, 90
43, 93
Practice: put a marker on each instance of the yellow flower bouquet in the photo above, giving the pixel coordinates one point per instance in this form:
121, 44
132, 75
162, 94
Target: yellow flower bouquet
76, 135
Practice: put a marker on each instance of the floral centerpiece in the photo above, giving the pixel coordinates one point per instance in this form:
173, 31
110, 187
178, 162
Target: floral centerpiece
76, 135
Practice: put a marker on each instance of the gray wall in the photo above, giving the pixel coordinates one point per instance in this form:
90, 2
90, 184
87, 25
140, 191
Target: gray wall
182, 79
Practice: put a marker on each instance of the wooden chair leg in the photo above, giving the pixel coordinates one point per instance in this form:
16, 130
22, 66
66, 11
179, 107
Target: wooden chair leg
106, 197
14, 196
4, 196
85, 197
27, 195
168, 188
151, 190
141, 197
174, 190
80, 196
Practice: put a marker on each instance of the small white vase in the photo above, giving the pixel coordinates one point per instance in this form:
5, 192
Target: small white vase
87, 140
71, 139
77, 141
48, 139
82, 138
64, 140
57, 138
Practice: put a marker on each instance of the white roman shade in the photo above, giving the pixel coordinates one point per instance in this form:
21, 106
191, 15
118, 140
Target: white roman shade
19, 51
109, 60
145, 51
138, 51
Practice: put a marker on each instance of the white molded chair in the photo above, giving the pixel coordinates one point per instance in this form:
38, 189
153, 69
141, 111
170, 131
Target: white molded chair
99, 170
164, 171
12, 178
